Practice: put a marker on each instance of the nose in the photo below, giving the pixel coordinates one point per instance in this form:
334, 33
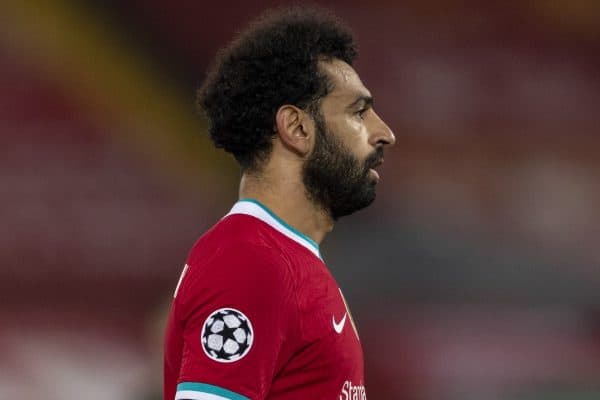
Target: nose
381, 134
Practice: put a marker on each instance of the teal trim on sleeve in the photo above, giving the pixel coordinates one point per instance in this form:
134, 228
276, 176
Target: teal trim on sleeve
206, 388
282, 222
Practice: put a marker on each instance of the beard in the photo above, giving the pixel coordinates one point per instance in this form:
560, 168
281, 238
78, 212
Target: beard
334, 178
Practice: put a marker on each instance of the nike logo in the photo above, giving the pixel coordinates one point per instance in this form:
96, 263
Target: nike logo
338, 327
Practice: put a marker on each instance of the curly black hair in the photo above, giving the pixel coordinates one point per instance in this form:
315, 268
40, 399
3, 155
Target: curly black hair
272, 63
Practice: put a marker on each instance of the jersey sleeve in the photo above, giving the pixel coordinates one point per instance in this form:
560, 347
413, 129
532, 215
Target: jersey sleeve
236, 307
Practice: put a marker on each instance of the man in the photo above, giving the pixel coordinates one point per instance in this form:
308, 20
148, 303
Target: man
256, 314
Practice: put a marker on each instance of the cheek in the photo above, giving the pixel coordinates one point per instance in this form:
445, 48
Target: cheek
358, 141
355, 136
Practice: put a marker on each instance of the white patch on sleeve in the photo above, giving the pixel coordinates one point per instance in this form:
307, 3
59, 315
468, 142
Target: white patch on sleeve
185, 268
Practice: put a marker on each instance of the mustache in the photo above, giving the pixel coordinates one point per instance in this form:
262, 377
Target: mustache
374, 158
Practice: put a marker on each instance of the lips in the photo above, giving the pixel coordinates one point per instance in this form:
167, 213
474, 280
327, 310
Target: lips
374, 161
375, 164
371, 168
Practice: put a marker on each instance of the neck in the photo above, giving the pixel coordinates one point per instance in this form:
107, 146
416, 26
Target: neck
287, 199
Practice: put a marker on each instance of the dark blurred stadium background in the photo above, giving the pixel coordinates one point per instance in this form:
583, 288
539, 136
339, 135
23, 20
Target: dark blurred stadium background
476, 275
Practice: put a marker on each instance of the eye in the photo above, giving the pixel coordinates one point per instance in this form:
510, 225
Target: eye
361, 113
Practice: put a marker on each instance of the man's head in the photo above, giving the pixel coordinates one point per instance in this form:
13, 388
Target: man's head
272, 63
288, 81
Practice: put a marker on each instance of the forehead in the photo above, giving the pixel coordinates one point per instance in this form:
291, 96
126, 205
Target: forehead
346, 82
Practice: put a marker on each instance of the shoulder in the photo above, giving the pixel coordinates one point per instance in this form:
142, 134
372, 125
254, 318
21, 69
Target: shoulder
231, 258
238, 240
242, 275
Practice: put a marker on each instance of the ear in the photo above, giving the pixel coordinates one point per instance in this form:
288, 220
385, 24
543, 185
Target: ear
294, 128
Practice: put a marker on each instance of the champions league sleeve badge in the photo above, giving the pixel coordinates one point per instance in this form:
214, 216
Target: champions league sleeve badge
227, 335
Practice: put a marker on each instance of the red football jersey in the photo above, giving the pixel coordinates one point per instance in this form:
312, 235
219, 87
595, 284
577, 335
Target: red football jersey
257, 315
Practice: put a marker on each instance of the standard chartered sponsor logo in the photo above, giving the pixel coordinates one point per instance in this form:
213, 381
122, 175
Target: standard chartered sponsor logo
352, 392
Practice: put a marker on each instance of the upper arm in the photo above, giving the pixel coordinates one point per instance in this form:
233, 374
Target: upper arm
237, 306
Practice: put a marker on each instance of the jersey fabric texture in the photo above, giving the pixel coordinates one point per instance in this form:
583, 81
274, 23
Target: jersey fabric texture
257, 315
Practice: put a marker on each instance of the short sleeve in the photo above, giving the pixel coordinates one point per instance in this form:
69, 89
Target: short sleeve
237, 308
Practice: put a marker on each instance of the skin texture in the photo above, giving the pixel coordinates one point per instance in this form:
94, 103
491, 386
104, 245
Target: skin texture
356, 129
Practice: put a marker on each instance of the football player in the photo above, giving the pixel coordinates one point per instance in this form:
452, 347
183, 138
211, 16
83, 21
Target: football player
256, 314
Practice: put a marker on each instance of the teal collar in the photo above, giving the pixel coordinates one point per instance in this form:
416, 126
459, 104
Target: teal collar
258, 210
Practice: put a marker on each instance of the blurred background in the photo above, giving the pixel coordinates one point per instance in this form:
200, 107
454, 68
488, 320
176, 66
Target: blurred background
475, 275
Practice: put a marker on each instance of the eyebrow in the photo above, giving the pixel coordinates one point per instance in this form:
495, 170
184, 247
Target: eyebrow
367, 100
